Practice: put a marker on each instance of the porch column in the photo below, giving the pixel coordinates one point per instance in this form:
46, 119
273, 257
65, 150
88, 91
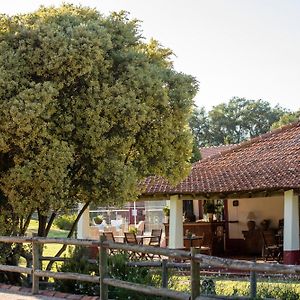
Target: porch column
83, 225
291, 252
176, 222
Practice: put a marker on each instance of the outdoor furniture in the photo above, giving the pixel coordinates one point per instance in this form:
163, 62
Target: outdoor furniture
155, 237
193, 238
212, 229
271, 250
155, 241
110, 237
131, 238
206, 245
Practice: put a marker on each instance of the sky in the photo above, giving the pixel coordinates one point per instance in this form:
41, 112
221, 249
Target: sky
239, 48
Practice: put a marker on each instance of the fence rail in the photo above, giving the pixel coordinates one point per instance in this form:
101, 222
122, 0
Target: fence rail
196, 260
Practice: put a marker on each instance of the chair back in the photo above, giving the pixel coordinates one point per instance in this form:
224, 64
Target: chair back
269, 238
109, 236
207, 240
206, 244
155, 237
130, 238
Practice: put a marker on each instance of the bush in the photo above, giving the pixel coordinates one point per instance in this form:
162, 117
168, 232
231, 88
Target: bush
78, 263
117, 268
65, 222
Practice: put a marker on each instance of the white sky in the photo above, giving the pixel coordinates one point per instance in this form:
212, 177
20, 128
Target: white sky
238, 48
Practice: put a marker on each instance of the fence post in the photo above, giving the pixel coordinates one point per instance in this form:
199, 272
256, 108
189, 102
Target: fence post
164, 275
103, 269
253, 284
35, 266
195, 275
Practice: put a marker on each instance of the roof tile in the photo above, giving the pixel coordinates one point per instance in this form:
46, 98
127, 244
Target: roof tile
268, 162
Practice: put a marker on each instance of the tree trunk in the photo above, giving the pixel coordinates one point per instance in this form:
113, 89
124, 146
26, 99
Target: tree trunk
64, 247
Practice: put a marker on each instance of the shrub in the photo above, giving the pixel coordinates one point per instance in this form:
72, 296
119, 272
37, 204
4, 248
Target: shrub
78, 263
117, 268
65, 222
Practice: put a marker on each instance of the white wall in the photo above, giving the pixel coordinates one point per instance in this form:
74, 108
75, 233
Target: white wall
263, 208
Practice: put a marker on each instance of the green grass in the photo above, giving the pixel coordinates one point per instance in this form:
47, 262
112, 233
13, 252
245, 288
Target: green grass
49, 249
266, 288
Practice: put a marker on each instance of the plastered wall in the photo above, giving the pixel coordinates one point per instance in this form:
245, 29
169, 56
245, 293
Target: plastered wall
263, 208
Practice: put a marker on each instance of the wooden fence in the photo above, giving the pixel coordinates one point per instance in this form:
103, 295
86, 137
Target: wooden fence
195, 261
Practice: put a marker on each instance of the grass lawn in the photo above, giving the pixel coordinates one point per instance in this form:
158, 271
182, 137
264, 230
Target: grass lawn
49, 249
286, 288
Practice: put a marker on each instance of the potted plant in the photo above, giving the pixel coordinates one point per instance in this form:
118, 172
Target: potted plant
133, 230
209, 209
166, 212
98, 219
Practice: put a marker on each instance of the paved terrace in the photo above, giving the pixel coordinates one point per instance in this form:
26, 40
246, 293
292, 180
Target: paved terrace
10, 292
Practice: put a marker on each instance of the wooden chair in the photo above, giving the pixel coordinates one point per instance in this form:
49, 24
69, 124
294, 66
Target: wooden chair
155, 241
130, 238
110, 237
206, 245
155, 237
272, 250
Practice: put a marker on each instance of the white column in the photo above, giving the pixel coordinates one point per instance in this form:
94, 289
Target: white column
176, 223
83, 225
291, 227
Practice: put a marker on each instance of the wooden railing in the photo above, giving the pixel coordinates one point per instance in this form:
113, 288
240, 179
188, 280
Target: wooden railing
195, 261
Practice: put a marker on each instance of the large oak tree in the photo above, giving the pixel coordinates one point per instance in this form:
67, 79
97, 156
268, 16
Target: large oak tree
87, 109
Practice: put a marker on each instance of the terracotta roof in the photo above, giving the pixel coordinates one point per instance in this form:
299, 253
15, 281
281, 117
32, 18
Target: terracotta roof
214, 150
268, 162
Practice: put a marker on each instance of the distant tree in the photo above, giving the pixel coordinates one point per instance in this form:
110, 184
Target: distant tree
233, 122
87, 110
286, 119
199, 123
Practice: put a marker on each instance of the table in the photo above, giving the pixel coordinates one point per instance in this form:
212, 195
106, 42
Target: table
138, 237
191, 239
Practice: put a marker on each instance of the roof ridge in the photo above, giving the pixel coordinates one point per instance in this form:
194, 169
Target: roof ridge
213, 146
251, 141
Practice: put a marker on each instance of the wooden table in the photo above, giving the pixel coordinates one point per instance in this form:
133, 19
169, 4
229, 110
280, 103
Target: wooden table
191, 239
138, 237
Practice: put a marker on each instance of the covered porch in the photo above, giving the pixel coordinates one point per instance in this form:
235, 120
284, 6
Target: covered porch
259, 177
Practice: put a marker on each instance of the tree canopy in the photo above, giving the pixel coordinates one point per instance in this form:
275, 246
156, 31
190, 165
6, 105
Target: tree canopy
87, 109
233, 122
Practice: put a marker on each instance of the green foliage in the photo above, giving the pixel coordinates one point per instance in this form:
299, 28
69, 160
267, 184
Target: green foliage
234, 122
133, 230
288, 291
65, 222
271, 290
142, 275
209, 207
166, 211
286, 119
98, 219
117, 269
78, 263
87, 110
